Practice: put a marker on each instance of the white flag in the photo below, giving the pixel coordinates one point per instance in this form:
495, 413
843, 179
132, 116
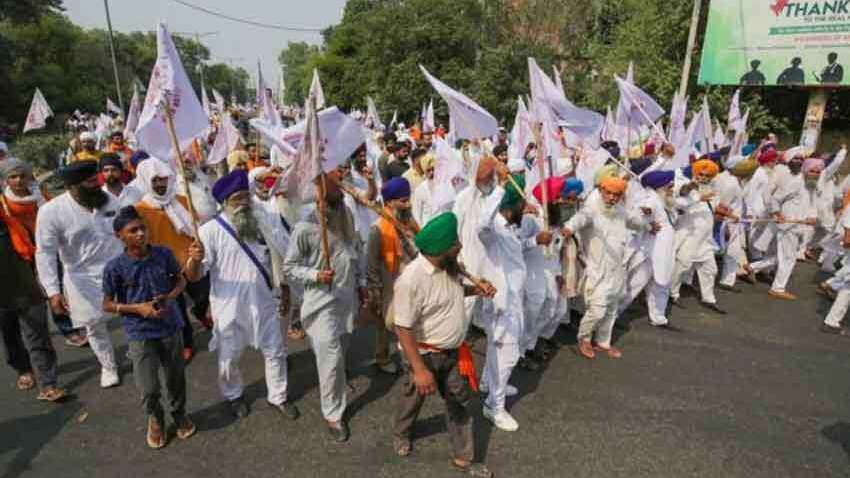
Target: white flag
219, 101
740, 135
555, 107
170, 84
298, 181
38, 113
395, 118
556, 76
630, 73
428, 123
112, 107
205, 101
720, 139
225, 141
133, 115
677, 119
636, 108
373, 121
264, 102
734, 122
470, 119
521, 135
316, 90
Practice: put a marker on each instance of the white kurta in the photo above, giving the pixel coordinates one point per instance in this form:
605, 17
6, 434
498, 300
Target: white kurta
422, 201
85, 242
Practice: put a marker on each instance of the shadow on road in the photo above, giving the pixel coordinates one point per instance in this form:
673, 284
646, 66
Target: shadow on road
839, 433
28, 435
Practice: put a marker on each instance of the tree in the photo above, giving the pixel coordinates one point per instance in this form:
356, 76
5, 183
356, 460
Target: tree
295, 59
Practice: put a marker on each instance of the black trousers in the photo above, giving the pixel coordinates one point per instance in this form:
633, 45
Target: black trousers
26, 343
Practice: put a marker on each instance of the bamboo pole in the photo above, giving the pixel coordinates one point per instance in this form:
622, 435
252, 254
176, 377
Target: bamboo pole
181, 162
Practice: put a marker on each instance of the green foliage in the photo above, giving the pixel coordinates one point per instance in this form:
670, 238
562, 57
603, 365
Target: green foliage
42, 151
296, 72
26, 10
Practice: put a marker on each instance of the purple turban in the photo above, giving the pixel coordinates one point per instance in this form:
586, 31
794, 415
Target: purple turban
395, 188
657, 179
228, 185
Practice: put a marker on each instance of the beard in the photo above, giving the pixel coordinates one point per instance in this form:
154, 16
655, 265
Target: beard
609, 210
339, 222
487, 189
403, 215
245, 223
91, 198
811, 183
112, 180
450, 265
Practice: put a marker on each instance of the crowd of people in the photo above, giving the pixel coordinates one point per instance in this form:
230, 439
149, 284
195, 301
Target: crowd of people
434, 244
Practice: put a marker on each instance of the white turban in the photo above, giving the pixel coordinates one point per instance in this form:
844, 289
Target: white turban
177, 214
516, 165
4, 147
87, 136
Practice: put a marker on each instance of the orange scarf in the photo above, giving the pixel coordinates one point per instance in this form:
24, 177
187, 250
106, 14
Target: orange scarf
390, 244
465, 362
25, 212
21, 239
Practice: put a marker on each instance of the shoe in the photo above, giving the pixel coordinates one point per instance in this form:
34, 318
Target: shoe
188, 353
155, 436
339, 432
729, 288
109, 378
477, 470
612, 352
750, 275
713, 307
526, 363
678, 303
185, 427
840, 331
76, 340
781, 295
501, 419
389, 368
287, 409
668, 327
585, 348
239, 408
511, 391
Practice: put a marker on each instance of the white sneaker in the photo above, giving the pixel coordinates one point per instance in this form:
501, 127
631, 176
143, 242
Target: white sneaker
109, 378
502, 419
510, 391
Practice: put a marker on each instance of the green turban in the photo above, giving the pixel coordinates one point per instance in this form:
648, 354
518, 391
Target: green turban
513, 196
438, 236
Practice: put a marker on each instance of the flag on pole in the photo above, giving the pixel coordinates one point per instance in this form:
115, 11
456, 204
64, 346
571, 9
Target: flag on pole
521, 135
677, 119
170, 84
112, 107
395, 118
630, 73
219, 101
316, 90
226, 140
720, 139
133, 115
298, 181
554, 107
734, 122
556, 76
428, 123
281, 88
264, 103
470, 119
38, 113
707, 128
636, 107
205, 101
372, 119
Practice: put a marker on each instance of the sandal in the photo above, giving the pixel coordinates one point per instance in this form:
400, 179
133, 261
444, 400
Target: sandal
612, 352
185, 428
26, 381
295, 333
472, 469
402, 447
52, 394
155, 434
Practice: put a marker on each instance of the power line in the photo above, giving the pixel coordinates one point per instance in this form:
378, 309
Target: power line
246, 22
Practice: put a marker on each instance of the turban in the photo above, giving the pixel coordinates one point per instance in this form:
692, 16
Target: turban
3, 147
638, 166
705, 167
513, 196
745, 168
77, 172
486, 166
87, 136
125, 215
658, 179
236, 157
604, 172
748, 149
612, 147
438, 236
499, 149
768, 156
137, 158
516, 165
554, 185
228, 185
572, 185
613, 184
396, 169
111, 159
427, 162
649, 149
688, 172
813, 164
395, 188
12, 165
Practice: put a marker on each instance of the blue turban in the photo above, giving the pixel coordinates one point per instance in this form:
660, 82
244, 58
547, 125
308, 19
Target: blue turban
748, 149
138, 157
658, 179
612, 147
572, 185
234, 182
688, 172
638, 166
395, 188
126, 215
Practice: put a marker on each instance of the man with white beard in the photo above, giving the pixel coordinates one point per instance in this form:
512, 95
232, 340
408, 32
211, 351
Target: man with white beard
422, 200
695, 243
789, 209
77, 226
232, 249
603, 224
821, 189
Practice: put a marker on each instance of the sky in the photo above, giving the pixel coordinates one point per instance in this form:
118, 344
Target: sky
243, 44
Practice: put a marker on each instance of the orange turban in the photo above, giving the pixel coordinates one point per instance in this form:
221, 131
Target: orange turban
705, 167
486, 166
613, 185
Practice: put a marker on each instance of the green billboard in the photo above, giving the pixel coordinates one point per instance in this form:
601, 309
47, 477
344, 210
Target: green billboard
776, 42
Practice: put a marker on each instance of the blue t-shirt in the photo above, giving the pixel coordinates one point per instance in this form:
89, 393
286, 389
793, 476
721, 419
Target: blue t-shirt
133, 281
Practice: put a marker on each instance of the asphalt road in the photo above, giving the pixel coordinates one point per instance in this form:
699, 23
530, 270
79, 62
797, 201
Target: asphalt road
757, 393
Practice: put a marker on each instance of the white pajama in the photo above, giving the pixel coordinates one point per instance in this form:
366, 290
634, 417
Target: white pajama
273, 348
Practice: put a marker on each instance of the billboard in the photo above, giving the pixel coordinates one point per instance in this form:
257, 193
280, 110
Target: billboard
776, 42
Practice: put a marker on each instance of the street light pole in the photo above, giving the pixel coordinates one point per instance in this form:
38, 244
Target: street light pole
692, 38
114, 61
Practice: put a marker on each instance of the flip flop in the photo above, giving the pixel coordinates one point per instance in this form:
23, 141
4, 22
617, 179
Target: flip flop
52, 395
25, 382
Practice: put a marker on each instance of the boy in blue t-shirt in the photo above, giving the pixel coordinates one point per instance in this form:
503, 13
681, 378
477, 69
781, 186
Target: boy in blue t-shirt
141, 285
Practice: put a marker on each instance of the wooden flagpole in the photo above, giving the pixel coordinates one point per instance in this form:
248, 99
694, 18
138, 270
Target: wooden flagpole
315, 157
181, 162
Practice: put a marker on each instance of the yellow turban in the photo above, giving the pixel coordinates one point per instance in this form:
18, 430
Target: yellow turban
604, 172
745, 168
236, 157
613, 184
427, 162
705, 167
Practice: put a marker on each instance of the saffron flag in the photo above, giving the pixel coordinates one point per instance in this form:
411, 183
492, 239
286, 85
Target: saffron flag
170, 86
